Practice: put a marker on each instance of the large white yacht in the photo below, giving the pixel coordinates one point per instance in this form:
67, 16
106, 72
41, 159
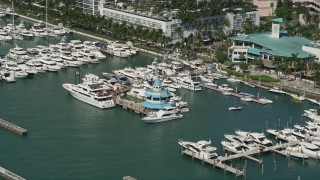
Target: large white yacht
201, 149
36, 65
13, 66
137, 91
186, 82
92, 91
259, 138
285, 134
38, 31
50, 64
19, 53
234, 147
4, 36
165, 114
86, 53
117, 50
311, 150
128, 72
276, 90
312, 114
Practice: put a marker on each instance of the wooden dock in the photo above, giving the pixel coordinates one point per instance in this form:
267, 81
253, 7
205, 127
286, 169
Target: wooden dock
9, 175
216, 163
12, 127
232, 94
220, 161
131, 105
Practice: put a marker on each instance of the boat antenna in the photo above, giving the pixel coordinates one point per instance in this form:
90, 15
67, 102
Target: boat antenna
13, 15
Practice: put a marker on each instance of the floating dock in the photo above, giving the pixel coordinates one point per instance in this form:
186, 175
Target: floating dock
232, 94
9, 175
220, 161
216, 163
12, 127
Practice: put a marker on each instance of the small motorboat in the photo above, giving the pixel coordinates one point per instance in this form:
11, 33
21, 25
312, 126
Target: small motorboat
235, 108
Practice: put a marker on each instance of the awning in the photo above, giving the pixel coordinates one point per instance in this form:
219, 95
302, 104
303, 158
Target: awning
254, 51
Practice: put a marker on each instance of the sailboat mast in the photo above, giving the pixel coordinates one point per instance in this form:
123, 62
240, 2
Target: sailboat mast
12, 15
46, 14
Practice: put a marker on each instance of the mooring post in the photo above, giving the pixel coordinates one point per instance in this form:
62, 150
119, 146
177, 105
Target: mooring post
262, 169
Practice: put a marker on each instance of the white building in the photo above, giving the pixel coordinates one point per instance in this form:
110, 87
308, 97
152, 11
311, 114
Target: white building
313, 48
165, 22
88, 6
313, 5
266, 7
168, 26
237, 20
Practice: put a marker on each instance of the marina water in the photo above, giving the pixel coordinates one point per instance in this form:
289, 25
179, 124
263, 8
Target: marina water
69, 139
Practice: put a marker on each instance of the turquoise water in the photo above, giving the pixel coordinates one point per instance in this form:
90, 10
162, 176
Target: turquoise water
69, 139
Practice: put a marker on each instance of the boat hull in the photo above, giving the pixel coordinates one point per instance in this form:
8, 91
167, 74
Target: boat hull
161, 119
89, 100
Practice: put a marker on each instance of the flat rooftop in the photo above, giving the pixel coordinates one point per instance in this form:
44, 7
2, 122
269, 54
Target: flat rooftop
284, 46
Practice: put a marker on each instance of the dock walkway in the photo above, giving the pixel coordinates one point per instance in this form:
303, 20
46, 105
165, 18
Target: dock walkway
131, 105
232, 94
216, 163
9, 175
12, 127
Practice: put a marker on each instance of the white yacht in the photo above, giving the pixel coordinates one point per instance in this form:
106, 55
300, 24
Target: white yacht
233, 80
200, 149
234, 147
165, 114
264, 100
259, 138
247, 98
4, 36
314, 101
76, 44
296, 152
128, 72
26, 34
50, 64
89, 56
235, 108
7, 76
79, 57
310, 150
92, 91
60, 62
60, 31
312, 114
19, 53
187, 83
276, 90
247, 141
137, 91
13, 66
72, 62
38, 31
225, 87
117, 50
36, 65
285, 134
94, 49
312, 130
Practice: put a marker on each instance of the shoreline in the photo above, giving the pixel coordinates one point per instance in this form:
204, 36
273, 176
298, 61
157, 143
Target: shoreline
290, 89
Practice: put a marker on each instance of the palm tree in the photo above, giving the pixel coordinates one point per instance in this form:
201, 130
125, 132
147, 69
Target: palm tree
293, 62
